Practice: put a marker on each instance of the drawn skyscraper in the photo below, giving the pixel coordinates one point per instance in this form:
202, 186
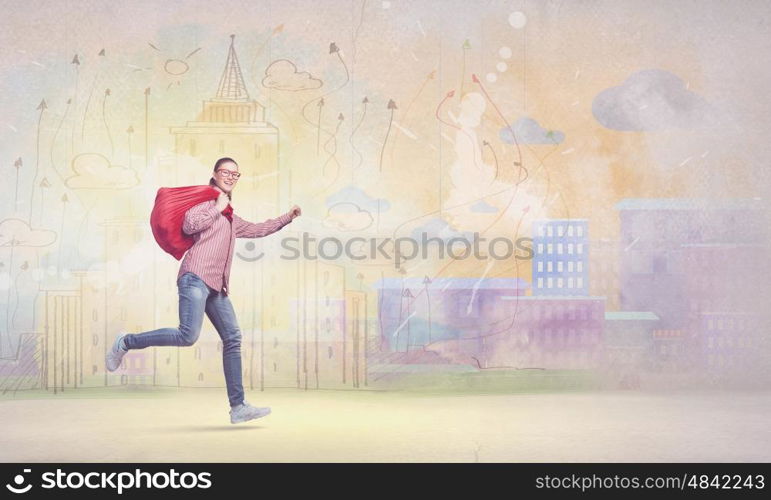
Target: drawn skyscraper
231, 124
561, 260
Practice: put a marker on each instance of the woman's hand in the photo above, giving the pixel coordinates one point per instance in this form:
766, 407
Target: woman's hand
295, 211
222, 202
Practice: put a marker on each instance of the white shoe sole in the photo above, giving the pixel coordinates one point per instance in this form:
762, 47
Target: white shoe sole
110, 355
260, 415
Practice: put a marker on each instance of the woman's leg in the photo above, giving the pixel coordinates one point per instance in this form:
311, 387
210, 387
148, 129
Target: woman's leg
223, 317
193, 293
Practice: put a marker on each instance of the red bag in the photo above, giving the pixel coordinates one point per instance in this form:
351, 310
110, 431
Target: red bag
169, 213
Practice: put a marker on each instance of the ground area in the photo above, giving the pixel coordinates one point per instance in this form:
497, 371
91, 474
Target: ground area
125, 424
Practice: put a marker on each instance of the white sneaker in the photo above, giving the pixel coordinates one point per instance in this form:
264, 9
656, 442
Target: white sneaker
245, 411
115, 355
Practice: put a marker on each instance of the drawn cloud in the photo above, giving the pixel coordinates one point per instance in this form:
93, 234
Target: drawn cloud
17, 233
439, 228
352, 194
528, 131
94, 171
283, 75
483, 207
651, 99
347, 217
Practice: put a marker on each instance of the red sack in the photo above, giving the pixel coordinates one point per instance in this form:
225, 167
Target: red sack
169, 213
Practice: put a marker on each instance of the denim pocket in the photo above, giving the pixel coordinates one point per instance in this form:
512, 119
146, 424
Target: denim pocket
192, 279
184, 278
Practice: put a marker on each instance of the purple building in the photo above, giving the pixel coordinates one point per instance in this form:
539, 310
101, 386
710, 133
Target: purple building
416, 312
561, 257
22, 369
730, 341
653, 233
558, 332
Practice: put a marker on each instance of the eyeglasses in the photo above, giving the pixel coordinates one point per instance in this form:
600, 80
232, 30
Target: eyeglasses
227, 173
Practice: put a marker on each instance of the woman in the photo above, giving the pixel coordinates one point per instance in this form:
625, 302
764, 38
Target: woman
203, 285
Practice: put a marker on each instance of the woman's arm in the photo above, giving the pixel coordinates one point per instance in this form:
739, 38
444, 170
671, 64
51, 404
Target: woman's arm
246, 229
200, 217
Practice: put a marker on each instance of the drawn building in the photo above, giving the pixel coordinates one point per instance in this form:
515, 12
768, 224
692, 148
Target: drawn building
629, 339
544, 332
62, 339
300, 328
72, 337
415, 312
561, 257
129, 303
673, 351
330, 331
654, 237
231, 124
553, 332
92, 302
22, 368
604, 272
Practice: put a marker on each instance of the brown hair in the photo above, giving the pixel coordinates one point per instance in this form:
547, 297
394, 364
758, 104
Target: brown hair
217, 165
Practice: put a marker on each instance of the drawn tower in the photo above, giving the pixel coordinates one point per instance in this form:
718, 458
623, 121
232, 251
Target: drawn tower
231, 124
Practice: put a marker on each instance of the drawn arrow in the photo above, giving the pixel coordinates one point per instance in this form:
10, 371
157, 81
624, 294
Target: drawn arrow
53, 141
466, 46
350, 140
41, 107
23, 267
332, 50
107, 93
65, 200
332, 153
129, 132
18, 163
408, 295
356, 34
76, 62
392, 107
318, 125
13, 244
439, 107
427, 281
44, 185
495, 157
405, 115
88, 101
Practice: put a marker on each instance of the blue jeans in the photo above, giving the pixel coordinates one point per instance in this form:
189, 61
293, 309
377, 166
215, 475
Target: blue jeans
195, 297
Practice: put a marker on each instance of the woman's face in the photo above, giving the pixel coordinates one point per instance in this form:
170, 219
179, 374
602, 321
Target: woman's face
226, 176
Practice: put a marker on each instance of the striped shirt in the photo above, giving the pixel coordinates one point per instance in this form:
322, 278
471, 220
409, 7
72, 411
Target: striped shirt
214, 237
